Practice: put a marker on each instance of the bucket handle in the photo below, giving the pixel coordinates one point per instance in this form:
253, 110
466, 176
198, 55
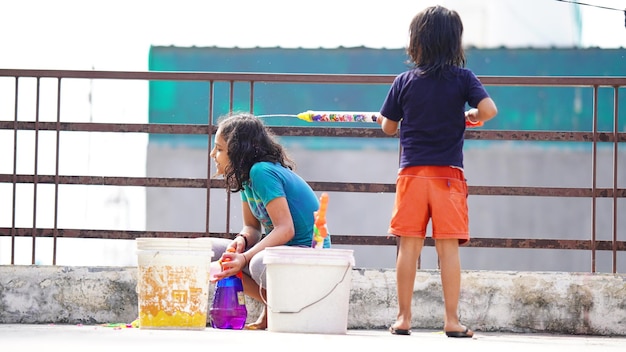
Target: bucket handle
343, 277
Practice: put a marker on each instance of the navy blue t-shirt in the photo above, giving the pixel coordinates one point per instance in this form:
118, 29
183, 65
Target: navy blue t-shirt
432, 114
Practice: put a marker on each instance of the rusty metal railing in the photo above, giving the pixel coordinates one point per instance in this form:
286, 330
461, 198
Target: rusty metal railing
35, 232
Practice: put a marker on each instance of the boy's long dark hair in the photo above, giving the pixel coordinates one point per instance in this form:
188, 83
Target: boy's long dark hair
248, 141
435, 40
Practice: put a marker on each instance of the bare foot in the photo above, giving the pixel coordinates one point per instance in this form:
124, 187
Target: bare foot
260, 323
255, 326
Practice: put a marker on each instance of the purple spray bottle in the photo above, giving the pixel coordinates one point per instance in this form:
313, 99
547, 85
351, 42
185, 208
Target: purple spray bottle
228, 310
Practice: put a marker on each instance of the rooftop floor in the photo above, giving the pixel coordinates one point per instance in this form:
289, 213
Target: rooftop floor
104, 338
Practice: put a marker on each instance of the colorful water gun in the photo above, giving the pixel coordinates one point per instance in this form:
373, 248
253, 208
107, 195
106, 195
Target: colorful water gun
320, 231
337, 116
345, 116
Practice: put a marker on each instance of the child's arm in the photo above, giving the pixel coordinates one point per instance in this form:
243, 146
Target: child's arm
390, 127
251, 231
485, 111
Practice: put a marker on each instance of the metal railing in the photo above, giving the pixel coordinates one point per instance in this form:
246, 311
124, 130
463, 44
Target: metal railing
15, 124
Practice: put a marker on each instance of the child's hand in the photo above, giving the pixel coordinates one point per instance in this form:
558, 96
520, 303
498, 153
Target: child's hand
239, 244
471, 123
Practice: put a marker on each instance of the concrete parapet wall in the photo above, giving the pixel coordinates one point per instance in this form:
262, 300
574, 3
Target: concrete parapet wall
568, 303
564, 303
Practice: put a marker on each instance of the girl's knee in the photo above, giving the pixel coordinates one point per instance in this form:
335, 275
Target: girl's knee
257, 269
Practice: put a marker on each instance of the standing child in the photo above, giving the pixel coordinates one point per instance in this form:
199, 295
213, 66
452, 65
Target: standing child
277, 204
427, 104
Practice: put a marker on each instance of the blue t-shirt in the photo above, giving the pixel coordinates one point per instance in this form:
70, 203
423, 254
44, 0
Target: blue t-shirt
269, 181
432, 110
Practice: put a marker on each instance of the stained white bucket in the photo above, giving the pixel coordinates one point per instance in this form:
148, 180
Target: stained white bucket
173, 282
308, 289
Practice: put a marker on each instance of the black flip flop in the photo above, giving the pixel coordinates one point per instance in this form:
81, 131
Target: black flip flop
395, 331
459, 333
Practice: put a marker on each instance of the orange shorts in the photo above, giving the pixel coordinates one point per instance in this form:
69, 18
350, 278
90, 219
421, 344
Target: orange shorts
431, 192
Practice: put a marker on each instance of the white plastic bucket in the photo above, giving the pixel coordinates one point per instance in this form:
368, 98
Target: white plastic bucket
308, 289
173, 282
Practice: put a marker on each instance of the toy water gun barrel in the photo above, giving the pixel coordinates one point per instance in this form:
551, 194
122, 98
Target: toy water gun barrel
321, 213
338, 116
320, 230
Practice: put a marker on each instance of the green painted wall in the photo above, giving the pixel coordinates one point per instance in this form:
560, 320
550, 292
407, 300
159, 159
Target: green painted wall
520, 108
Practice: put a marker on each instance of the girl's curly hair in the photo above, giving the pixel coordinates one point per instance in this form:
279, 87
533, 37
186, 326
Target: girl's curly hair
248, 141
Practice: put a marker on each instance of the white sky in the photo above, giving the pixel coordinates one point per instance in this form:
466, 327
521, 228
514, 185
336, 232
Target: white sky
116, 34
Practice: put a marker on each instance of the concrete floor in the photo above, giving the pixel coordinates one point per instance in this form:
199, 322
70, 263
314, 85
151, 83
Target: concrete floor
95, 338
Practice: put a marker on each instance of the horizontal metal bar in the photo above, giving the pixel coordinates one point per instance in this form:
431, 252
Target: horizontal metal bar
317, 186
373, 240
203, 76
340, 130
303, 78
